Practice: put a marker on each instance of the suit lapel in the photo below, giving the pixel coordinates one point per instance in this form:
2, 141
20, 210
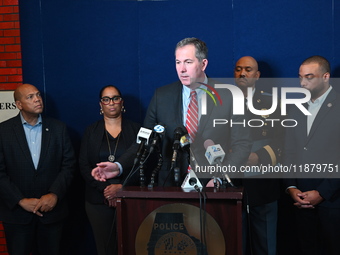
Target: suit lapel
302, 123
45, 141
22, 141
178, 104
325, 108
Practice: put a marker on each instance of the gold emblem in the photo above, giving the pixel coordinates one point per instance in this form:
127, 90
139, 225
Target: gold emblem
173, 229
175, 242
264, 116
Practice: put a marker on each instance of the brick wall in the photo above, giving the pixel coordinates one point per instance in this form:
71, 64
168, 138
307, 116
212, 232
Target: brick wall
10, 61
10, 50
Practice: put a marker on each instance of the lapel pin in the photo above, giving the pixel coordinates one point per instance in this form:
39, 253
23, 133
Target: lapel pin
47, 129
329, 104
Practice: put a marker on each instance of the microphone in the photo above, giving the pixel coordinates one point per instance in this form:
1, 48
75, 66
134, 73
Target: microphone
159, 131
215, 155
142, 139
191, 181
178, 133
214, 152
185, 141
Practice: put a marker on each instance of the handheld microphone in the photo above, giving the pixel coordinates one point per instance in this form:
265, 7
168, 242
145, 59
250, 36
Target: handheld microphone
215, 155
143, 135
159, 131
185, 142
179, 131
142, 139
214, 152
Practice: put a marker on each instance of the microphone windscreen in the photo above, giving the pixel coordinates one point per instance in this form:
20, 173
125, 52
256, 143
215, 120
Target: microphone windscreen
208, 143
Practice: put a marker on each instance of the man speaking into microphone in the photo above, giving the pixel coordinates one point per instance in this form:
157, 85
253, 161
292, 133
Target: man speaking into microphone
179, 107
180, 104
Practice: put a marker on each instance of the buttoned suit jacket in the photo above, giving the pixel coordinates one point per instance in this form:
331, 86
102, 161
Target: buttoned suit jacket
18, 177
166, 108
321, 146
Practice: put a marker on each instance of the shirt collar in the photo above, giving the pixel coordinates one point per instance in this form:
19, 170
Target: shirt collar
321, 98
23, 121
199, 90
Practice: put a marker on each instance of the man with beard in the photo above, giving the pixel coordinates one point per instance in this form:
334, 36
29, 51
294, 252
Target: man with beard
316, 140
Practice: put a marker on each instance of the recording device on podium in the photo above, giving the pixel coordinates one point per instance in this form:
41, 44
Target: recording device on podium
191, 182
215, 155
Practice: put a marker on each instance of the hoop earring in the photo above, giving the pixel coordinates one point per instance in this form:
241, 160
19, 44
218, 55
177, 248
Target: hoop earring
123, 109
101, 111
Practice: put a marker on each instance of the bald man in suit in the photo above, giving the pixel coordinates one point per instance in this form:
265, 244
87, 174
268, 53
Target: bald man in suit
37, 163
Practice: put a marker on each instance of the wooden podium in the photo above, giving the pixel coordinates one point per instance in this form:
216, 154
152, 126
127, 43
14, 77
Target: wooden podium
169, 220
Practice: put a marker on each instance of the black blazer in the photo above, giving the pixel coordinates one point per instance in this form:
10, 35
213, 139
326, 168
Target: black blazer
18, 177
166, 108
89, 156
321, 146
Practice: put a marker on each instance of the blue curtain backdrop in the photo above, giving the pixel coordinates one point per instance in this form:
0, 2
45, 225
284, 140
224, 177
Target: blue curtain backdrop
72, 48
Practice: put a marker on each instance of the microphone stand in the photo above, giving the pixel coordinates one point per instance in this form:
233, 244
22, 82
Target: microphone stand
141, 169
156, 170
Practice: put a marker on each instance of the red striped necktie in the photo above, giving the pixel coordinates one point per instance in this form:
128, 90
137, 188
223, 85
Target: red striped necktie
192, 116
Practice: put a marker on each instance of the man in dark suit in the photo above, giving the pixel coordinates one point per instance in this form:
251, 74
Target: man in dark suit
170, 106
261, 195
37, 163
316, 140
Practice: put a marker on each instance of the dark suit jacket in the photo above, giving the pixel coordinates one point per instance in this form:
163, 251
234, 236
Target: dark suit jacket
89, 157
166, 107
321, 146
268, 145
18, 177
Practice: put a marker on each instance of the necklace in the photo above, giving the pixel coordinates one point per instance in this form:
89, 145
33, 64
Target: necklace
111, 157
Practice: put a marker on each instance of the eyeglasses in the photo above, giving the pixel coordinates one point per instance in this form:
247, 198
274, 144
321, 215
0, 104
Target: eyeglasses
115, 100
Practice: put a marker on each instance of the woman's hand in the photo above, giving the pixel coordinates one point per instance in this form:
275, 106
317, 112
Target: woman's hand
110, 193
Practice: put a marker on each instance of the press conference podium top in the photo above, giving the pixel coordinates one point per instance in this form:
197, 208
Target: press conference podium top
178, 192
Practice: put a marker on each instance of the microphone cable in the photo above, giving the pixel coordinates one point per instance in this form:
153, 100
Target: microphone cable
203, 215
